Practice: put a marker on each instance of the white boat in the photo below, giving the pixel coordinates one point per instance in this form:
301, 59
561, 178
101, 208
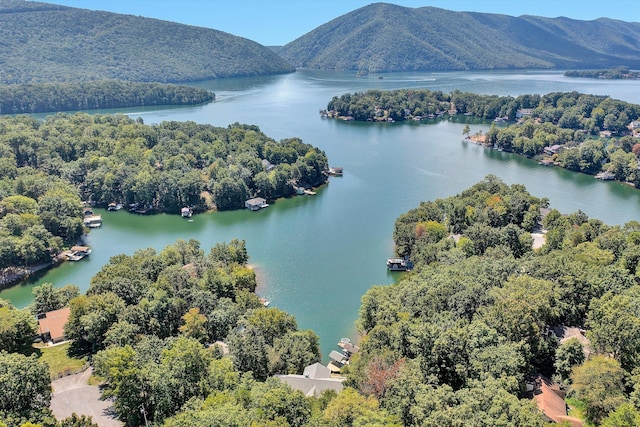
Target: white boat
186, 212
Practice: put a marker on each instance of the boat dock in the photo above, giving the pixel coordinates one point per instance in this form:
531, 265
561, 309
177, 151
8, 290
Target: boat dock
399, 264
341, 358
92, 221
76, 253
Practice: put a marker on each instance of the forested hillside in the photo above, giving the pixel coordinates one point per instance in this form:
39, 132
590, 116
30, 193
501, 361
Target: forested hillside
49, 43
384, 37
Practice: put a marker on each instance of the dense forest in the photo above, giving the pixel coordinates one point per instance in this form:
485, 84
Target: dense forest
454, 342
145, 321
44, 43
53, 97
585, 133
48, 167
614, 73
384, 37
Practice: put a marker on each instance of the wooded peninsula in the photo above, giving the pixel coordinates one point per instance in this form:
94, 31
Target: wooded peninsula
585, 133
49, 167
96, 95
614, 73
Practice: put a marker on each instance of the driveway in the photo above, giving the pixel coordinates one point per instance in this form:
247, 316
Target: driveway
74, 394
539, 239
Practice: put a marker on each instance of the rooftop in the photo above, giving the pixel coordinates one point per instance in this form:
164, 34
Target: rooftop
53, 323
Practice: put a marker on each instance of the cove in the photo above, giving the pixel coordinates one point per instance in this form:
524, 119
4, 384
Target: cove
317, 255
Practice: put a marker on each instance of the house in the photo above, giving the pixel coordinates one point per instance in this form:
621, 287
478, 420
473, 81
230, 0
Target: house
550, 400
314, 381
565, 333
523, 112
267, 165
255, 204
553, 149
51, 324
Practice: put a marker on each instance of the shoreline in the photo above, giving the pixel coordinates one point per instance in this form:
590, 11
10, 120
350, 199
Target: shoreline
12, 276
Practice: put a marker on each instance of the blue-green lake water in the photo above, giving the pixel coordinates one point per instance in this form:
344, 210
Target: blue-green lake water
317, 255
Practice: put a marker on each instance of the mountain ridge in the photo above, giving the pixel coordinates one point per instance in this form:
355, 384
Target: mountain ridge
384, 37
41, 42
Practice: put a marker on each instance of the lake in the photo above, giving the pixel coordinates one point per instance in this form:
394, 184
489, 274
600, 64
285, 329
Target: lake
317, 255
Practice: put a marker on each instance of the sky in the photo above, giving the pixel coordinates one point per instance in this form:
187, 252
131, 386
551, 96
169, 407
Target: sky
278, 22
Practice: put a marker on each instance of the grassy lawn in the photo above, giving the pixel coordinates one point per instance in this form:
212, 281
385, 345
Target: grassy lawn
58, 361
577, 409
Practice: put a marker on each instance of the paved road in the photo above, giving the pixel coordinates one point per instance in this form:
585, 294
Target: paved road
74, 394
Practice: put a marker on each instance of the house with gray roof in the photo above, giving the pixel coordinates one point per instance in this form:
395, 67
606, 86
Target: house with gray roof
314, 381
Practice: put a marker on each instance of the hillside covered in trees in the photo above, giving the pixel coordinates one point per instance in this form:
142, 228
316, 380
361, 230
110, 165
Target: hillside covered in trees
383, 37
580, 132
44, 43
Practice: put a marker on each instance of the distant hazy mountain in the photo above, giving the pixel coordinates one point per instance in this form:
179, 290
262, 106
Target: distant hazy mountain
386, 37
41, 42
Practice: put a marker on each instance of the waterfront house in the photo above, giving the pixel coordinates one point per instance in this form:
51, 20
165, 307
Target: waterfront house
523, 112
314, 381
51, 324
255, 204
553, 149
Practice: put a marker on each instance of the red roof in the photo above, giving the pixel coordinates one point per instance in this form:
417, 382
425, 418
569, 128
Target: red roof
550, 400
53, 323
